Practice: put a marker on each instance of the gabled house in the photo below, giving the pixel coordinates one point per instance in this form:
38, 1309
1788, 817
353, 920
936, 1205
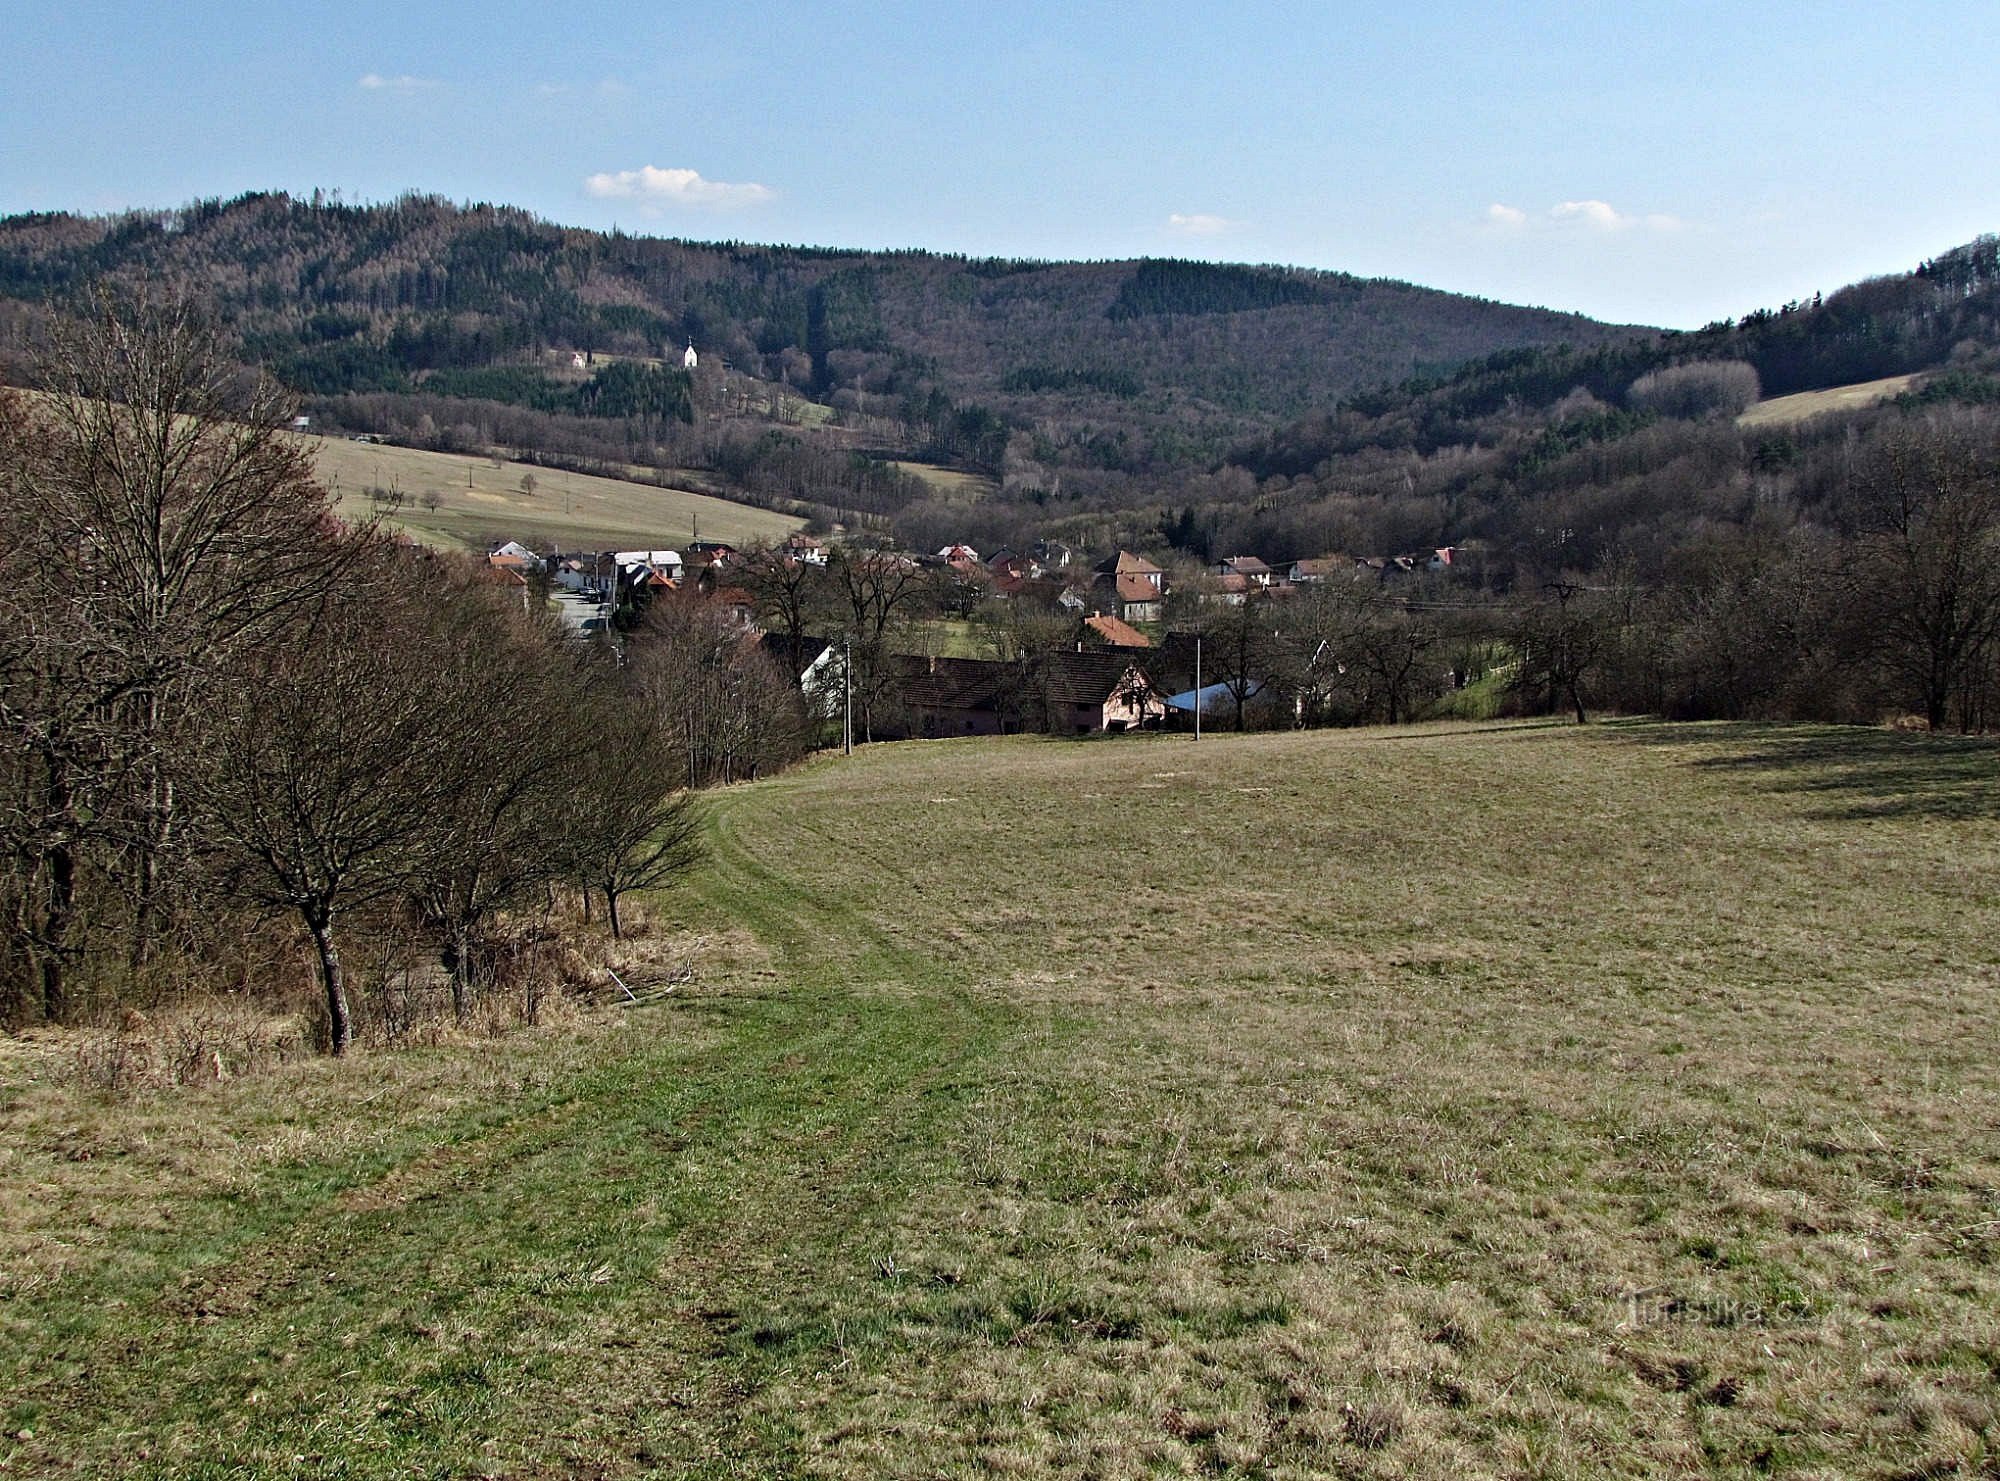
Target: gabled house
514, 556
804, 549
1231, 590
1124, 563
1318, 568
938, 697
1098, 689
814, 665
667, 562
1253, 571
1132, 585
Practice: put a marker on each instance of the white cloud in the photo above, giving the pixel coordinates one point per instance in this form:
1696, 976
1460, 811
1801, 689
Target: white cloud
1603, 216
1200, 224
656, 189
375, 82
1598, 214
1589, 216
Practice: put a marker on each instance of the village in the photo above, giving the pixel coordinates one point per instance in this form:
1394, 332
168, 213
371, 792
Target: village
886, 645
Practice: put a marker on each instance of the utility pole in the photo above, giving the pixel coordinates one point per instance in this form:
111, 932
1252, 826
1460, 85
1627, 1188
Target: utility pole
847, 696
1197, 686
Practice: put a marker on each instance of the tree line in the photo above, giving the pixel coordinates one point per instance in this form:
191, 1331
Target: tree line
228, 717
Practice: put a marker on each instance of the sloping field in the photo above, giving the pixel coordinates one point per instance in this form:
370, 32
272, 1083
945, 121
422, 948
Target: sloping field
1477, 1101
479, 502
1782, 411
950, 483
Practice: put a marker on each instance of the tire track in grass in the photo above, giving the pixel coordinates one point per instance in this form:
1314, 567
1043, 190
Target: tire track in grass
582, 1286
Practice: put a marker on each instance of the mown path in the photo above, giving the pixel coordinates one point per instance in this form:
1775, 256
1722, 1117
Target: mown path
592, 1280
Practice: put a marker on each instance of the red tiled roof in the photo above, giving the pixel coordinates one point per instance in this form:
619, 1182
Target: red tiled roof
1135, 587
1118, 632
1126, 563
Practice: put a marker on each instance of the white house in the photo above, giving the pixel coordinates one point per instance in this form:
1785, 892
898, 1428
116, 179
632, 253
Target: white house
690, 359
667, 562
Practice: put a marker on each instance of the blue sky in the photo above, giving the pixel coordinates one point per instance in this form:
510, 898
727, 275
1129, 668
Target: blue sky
1647, 161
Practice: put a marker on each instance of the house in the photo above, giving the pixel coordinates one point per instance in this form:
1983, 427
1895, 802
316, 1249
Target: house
1312, 571
667, 562
1054, 554
1133, 583
1098, 689
1114, 632
573, 574
953, 555
939, 697
1252, 570
805, 550
1231, 589
1194, 674
514, 556
815, 667
740, 606
1124, 563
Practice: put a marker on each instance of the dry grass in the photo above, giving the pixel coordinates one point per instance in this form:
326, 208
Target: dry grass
480, 501
952, 483
1454, 1101
1782, 411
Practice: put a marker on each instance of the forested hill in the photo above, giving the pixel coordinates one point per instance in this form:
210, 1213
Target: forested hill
1943, 313
386, 298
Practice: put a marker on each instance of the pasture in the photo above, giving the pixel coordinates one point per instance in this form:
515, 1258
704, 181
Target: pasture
465, 502
1461, 1100
1782, 411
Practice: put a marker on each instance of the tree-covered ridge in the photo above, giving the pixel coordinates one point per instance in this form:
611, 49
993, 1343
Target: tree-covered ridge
1172, 286
337, 298
1886, 326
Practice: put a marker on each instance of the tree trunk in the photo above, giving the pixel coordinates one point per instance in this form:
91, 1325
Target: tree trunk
461, 975
340, 1025
611, 909
56, 918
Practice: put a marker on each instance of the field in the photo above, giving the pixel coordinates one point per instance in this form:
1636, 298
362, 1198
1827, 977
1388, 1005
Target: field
1781, 411
480, 502
1451, 1101
950, 483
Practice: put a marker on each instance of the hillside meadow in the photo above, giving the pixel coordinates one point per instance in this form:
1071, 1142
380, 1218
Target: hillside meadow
464, 502
1476, 1100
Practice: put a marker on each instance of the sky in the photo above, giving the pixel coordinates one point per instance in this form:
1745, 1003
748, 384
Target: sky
1664, 162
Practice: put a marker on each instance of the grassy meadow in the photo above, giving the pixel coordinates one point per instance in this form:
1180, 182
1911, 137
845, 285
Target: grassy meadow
1475, 1100
480, 502
1782, 411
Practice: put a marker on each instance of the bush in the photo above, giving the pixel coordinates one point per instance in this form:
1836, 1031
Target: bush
1702, 389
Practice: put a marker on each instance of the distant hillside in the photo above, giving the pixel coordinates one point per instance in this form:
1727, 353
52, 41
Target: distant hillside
1106, 366
1942, 313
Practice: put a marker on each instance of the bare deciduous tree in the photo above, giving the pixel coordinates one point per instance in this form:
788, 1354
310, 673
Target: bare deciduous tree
325, 772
